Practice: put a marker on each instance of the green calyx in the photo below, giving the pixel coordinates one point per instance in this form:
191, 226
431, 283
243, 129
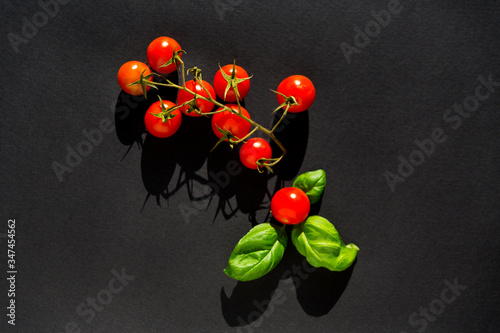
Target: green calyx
196, 73
233, 81
289, 101
267, 163
193, 106
226, 136
145, 82
176, 58
166, 113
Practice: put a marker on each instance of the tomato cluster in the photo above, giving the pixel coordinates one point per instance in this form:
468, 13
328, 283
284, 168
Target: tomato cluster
195, 98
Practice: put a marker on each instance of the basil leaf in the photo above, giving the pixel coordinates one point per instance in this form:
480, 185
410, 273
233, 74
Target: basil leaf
312, 183
257, 253
319, 241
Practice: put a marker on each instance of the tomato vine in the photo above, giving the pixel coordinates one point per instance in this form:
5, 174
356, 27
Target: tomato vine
146, 81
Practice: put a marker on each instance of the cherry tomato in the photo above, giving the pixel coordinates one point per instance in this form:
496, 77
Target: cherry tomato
160, 51
253, 150
184, 96
290, 205
131, 72
156, 126
299, 87
220, 83
229, 121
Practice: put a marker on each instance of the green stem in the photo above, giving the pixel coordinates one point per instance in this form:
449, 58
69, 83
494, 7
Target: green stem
183, 71
282, 116
245, 137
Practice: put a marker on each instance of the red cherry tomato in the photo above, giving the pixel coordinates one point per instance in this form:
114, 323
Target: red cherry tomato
229, 121
131, 72
184, 96
299, 87
156, 126
160, 51
253, 150
220, 83
290, 205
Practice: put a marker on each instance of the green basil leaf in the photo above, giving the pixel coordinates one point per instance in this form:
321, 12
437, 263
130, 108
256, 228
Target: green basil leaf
257, 253
319, 241
312, 183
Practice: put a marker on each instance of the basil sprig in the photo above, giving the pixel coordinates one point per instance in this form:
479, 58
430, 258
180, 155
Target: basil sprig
263, 247
312, 183
257, 253
319, 241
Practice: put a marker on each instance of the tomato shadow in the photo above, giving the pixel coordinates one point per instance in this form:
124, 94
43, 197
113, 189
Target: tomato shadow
129, 119
158, 163
252, 193
293, 133
235, 187
195, 140
188, 148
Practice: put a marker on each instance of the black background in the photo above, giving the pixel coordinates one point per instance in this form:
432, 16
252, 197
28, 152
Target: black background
121, 207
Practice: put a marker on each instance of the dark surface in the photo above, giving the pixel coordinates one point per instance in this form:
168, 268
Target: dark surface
144, 206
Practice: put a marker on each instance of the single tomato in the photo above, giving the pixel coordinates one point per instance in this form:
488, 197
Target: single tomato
156, 126
299, 87
229, 121
253, 150
290, 205
130, 72
221, 84
160, 51
184, 96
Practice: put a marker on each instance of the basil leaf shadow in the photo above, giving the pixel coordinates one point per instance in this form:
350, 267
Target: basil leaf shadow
317, 290
251, 300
